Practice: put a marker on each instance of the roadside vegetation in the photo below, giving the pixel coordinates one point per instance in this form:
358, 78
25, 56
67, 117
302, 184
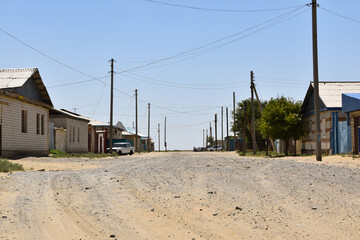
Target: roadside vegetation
271, 154
61, 154
7, 166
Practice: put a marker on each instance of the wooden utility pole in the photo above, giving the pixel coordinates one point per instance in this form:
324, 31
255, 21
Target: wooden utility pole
234, 121
227, 129
222, 127
111, 106
159, 135
260, 107
206, 142
244, 127
253, 113
216, 145
203, 137
136, 122
211, 142
165, 143
149, 143
316, 81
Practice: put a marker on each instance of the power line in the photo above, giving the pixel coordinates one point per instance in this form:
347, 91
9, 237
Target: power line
221, 10
78, 82
199, 50
186, 84
203, 87
45, 55
340, 15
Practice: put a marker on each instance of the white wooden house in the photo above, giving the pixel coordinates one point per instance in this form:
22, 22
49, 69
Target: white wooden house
24, 113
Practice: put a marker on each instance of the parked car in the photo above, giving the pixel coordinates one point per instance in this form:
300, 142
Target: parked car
199, 149
215, 148
122, 148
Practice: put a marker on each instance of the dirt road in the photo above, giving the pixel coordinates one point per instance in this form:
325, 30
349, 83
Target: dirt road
181, 196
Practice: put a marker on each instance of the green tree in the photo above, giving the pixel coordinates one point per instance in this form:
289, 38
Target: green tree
239, 120
281, 119
210, 141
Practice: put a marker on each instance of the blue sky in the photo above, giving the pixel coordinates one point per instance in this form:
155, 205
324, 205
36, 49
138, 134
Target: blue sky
189, 89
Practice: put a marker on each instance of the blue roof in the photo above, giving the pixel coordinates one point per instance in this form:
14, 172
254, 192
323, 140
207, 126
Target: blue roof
350, 102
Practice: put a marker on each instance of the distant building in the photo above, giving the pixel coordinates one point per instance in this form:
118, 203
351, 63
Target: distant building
75, 128
24, 113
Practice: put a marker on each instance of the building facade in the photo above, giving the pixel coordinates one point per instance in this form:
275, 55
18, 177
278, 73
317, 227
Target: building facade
24, 113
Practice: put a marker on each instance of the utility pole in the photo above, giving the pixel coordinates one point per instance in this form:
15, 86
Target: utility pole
234, 121
216, 145
211, 143
206, 142
253, 113
159, 135
165, 143
227, 129
316, 81
222, 127
111, 106
149, 143
136, 122
244, 127
203, 137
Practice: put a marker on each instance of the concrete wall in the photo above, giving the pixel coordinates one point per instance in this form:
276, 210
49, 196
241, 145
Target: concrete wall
14, 141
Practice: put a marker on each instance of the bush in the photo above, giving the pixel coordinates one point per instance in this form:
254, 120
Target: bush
6, 166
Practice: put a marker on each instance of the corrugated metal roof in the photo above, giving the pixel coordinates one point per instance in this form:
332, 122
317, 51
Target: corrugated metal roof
133, 131
350, 102
15, 77
54, 112
330, 92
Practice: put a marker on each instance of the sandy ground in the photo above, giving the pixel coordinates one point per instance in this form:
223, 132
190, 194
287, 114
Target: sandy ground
182, 195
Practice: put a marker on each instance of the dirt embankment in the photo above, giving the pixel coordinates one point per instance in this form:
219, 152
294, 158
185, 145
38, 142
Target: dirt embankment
182, 196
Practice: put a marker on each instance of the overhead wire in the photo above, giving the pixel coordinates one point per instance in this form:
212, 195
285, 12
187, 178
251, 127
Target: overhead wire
340, 15
184, 84
204, 87
199, 50
221, 10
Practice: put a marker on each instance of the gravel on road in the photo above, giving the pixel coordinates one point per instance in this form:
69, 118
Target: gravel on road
181, 195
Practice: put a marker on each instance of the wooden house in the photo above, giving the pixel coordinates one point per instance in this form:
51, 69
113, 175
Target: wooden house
24, 113
333, 123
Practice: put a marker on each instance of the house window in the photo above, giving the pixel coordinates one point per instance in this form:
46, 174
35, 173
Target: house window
42, 124
78, 134
70, 129
38, 123
73, 134
24, 121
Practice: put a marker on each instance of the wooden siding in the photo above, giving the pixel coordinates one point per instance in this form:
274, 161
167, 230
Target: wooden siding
13, 140
308, 142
